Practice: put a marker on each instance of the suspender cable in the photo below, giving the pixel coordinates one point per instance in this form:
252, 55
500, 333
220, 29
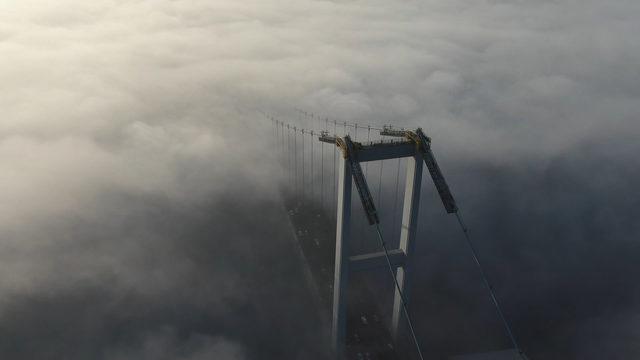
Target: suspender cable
312, 177
366, 168
306, 120
395, 198
366, 165
295, 166
488, 285
303, 182
335, 178
360, 224
289, 156
292, 151
403, 300
300, 121
380, 184
322, 176
326, 123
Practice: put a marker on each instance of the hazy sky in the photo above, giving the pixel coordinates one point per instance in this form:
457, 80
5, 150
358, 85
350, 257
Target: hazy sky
135, 174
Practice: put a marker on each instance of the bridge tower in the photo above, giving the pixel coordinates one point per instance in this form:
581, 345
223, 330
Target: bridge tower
416, 148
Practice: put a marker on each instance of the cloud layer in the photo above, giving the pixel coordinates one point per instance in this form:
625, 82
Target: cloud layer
138, 198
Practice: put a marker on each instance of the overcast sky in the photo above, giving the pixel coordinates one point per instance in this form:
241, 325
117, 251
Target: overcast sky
140, 216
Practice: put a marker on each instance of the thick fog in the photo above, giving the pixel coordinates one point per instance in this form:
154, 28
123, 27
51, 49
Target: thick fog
140, 211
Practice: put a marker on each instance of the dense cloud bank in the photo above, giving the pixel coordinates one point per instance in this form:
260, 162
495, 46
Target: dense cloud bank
139, 213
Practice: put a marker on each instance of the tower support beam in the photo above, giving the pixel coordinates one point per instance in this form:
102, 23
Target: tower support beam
377, 260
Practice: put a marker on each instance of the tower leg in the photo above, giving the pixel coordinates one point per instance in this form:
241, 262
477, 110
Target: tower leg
410, 209
341, 274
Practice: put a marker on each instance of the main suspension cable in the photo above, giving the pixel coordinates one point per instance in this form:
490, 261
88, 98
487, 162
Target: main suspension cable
402, 299
488, 285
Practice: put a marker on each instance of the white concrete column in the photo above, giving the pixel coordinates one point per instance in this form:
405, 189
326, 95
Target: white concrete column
341, 275
410, 209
